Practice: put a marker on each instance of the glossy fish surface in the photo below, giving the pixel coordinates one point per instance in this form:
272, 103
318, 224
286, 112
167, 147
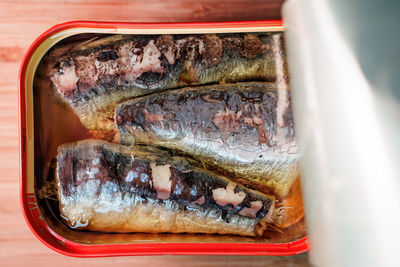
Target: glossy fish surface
94, 75
244, 129
112, 188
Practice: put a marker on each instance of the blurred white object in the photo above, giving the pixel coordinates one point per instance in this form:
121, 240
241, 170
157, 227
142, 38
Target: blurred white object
344, 66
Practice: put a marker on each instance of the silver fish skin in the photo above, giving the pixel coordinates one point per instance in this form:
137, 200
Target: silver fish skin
112, 188
93, 76
244, 130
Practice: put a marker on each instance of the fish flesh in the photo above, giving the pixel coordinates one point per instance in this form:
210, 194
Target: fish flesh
94, 75
243, 130
113, 188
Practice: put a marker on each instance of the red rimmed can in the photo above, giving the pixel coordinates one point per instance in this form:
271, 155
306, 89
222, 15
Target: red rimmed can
59, 240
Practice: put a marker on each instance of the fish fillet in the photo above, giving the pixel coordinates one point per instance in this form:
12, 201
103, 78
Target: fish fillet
93, 76
246, 130
112, 188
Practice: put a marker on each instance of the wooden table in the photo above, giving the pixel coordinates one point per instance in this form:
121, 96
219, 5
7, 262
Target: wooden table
20, 23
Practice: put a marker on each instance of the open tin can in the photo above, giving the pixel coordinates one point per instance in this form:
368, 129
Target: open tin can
41, 214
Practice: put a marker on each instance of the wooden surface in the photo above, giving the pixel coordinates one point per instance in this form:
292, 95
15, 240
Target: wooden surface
20, 23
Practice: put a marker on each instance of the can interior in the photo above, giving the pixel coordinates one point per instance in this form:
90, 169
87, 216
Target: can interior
55, 124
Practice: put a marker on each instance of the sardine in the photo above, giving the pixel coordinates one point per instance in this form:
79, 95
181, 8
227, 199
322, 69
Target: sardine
93, 76
244, 130
112, 188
